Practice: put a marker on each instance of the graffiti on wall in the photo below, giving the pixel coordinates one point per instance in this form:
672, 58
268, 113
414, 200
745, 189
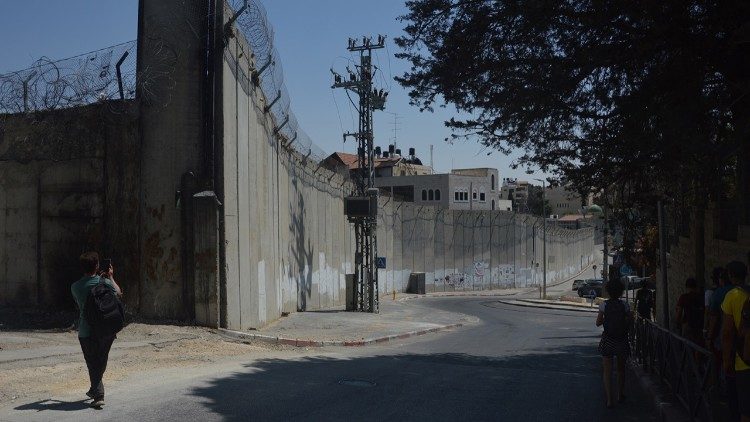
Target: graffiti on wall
455, 279
480, 275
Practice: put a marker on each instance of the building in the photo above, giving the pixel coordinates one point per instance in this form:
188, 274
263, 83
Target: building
516, 191
408, 180
385, 166
461, 189
564, 202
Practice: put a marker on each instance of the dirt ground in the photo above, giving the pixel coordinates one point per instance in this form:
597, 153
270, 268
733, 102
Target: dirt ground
139, 347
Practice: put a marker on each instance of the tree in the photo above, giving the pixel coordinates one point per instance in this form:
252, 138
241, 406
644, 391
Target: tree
599, 92
534, 202
619, 95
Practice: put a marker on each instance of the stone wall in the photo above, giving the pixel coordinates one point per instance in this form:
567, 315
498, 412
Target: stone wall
681, 262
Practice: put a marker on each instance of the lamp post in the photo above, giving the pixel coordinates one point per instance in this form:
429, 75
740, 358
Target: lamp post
544, 240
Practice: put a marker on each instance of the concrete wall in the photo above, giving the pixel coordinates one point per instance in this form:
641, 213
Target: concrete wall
171, 55
288, 245
68, 184
474, 250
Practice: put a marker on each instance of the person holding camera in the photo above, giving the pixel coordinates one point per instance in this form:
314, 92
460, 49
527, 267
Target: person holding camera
95, 346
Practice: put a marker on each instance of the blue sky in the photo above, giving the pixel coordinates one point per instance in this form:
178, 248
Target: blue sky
311, 38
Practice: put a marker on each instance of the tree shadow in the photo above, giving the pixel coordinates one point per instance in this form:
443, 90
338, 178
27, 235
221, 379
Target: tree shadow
56, 405
557, 384
302, 267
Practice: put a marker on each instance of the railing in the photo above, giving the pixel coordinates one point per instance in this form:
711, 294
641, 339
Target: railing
681, 364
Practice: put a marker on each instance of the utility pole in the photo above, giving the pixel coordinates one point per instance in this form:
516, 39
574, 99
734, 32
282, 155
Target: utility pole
361, 207
544, 238
605, 229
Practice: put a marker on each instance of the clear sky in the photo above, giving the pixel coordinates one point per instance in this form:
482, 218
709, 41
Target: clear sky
311, 37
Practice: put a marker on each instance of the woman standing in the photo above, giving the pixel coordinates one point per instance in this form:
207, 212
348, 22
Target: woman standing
615, 315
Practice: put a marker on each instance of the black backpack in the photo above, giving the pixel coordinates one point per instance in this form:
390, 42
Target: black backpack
103, 311
615, 319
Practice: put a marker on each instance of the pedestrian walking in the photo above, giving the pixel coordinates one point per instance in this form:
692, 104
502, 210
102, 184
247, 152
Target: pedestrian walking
689, 312
95, 346
713, 322
707, 295
644, 302
615, 316
735, 326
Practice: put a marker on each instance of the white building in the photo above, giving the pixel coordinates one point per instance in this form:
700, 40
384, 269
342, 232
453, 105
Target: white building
461, 189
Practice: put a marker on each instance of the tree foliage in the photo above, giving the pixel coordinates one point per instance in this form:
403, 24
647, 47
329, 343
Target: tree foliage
633, 94
645, 100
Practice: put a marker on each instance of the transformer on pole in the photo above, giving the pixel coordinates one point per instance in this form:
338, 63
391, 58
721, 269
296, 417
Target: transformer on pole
361, 207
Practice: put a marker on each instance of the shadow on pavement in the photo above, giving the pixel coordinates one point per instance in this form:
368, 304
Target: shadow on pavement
597, 336
57, 405
558, 384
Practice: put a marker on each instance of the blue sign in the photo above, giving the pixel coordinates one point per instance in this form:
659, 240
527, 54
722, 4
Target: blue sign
380, 262
625, 270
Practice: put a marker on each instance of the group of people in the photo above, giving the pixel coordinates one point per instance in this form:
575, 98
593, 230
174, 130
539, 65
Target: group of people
712, 319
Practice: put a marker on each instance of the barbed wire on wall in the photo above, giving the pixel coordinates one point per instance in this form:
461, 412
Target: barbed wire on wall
101, 75
258, 32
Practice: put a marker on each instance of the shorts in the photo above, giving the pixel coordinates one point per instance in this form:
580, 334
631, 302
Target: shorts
609, 347
743, 391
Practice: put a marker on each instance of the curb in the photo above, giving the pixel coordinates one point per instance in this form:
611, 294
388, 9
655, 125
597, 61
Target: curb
667, 410
456, 294
541, 306
237, 335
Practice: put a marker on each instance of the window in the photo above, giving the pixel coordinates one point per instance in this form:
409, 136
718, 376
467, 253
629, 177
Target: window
431, 195
492, 179
474, 195
482, 198
456, 196
465, 195
437, 194
424, 195
493, 201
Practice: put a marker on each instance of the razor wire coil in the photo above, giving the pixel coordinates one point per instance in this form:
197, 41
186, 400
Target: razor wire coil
253, 24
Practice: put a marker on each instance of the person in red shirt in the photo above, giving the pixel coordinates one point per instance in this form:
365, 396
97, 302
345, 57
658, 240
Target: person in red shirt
689, 312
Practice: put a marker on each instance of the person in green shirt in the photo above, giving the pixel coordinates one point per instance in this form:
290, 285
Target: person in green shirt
95, 349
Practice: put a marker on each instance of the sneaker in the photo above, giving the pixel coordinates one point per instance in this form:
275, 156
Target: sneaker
98, 402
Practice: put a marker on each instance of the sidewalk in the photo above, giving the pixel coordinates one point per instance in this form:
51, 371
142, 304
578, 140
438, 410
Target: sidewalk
336, 327
552, 304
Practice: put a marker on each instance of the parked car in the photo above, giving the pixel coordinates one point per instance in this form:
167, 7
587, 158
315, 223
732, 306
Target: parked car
577, 284
592, 287
634, 282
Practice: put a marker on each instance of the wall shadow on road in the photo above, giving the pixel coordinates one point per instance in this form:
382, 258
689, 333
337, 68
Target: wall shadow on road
556, 384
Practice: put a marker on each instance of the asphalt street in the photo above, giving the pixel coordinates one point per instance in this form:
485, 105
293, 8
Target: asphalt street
514, 364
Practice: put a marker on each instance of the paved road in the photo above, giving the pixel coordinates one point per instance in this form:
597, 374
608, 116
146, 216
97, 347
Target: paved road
516, 364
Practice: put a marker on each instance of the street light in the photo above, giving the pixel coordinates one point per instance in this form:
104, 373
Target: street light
599, 212
544, 240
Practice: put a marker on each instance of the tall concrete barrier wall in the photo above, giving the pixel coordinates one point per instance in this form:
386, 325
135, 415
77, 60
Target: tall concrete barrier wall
68, 184
475, 250
288, 245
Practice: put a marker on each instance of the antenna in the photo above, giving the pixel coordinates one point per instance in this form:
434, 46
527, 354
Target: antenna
432, 167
